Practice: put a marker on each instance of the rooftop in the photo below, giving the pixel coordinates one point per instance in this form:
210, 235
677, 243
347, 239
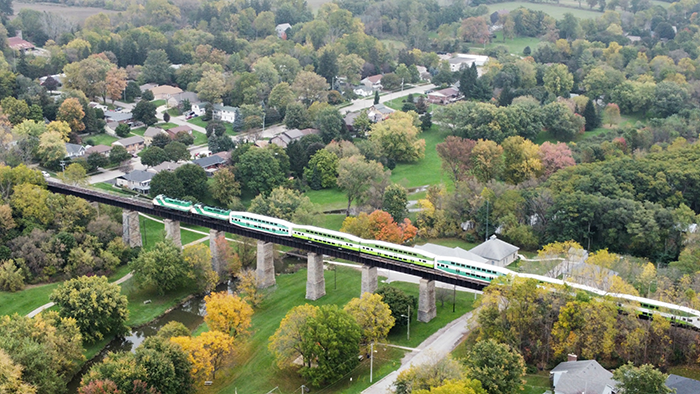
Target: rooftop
683, 385
574, 377
494, 249
98, 149
129, 141
74, 149
221, 107
118, 116
138, 176
452, 252
178, 129
165, 89
166, 166
153, 131
17, 43
208, 161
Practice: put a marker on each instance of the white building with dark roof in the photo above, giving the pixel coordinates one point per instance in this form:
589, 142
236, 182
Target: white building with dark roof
576, 377
451, 252
224, 113
74, 150
497, 252
136, 180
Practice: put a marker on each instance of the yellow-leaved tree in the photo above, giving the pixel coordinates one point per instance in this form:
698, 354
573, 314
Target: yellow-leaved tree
198, 257
586, 328
207, 352
248, 288
287, 342
372, 315
227, 313
464, 386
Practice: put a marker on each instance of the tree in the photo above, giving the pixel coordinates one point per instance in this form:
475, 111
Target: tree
280, 97
206, 352
156, 68
467, 81
333, 337
309, 87
331, 124
555, 157
350, 67
398, 137
173, 329
558, 80
296, 116
11, 276
376, 97
456, 155
373, 316
322, 170
381, 226
11, 377
16, 110
225, 188
161, 267
115, 83
285, 204
287, 343
433, 373
194, 180
591, 116
118, 154
640, 380
499, 368
395, 201
71, 112
60, 127
561, 121
145, 111
521, 160
176, 151
227, 313
147, 95
153, 156
328, 65
51, 147
611, 114
464, 386
166, 119
198, 258
161, 140
475, 29
356, 176
211, 87
398, 302
487, 160
75, 175
97, 306
123, 130
260, 171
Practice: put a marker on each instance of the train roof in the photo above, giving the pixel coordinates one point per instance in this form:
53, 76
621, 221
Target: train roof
263, 217
397, 246
504, 271
331, 232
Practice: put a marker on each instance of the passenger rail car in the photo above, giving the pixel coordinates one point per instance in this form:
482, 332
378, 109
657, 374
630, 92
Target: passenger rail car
328, 237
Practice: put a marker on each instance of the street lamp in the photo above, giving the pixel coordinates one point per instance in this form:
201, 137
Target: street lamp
408, 319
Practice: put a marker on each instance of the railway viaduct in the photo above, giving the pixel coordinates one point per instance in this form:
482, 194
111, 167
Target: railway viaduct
265, 269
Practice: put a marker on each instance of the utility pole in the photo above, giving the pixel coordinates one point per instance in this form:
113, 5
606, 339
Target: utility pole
408, 317
371, 361
486, 235
454, 298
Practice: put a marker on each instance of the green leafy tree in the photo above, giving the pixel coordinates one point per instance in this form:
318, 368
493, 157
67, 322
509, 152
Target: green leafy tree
286, 204
331, 124
118, 154
645, 379
322, 170
499, 367
558, 80
162, 267
11, 375
161, 140
211, 87
145, 111
591, 116
147, 95
561, 122
123, 130
167, 183
398, 137
356, 176
194, 180
373, 316
153, 156
97, 306
16, 110
395, 201
74, 174
376, 97
296, 116
11, 276
225, 188
399, 302
334, 339
177, 151
259, 171
156, 68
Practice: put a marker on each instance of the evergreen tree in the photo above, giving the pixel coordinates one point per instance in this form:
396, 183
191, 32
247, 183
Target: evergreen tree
376, 97
506, 96
328, 66
467, 81
591, 116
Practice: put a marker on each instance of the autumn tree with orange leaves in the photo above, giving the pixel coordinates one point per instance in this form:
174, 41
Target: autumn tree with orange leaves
381, 226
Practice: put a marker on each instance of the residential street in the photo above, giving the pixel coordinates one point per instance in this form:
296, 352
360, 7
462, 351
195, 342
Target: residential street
360, 104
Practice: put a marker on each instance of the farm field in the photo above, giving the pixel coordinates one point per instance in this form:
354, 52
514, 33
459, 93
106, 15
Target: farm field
555, 11
73, 14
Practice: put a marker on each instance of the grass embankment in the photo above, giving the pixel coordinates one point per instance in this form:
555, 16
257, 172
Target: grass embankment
255, 370
153, 232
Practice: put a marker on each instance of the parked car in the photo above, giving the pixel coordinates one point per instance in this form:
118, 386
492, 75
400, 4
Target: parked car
46, 174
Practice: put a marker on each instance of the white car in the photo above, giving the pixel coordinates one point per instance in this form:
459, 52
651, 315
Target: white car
46, 174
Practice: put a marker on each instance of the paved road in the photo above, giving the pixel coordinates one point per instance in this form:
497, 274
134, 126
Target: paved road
360, 104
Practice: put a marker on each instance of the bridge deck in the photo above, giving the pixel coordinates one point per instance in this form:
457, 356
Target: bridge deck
221, 225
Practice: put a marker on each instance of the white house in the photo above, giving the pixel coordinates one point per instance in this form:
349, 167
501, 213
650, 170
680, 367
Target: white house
373, 81
136, 180
463, 60
224, 113
74, 150
282, 30
497, 252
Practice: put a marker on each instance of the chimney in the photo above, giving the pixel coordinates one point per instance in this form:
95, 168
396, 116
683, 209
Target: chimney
571, 357
19, 34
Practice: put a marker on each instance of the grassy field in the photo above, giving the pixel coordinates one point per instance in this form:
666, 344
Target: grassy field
537, 384
101, 139
73, 14
153, 232
158, 103
165, 126
333, 222
553, 10
25, 301
199, 122
515, 45
427, 171
625, 120
138, 131
255, 370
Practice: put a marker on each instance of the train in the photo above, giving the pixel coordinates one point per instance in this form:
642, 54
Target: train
476, 271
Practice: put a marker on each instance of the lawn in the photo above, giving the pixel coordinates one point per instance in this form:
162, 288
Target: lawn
328, 199
256, 372
153, 232
166, 126
515, 45
555, 11
27, 300
333, 222
690, 372
138, 131
427, 171
625, 120
537, 384
109, 188
199, 122
397, 103
158, 103
101, 139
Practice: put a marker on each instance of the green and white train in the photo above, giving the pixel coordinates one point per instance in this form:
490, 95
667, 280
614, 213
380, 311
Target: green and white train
470, 269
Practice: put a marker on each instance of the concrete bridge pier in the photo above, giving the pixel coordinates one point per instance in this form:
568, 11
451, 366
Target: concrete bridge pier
217, 262
369, 279
131, 231
265, 271
172, 231
426, 300
315, 282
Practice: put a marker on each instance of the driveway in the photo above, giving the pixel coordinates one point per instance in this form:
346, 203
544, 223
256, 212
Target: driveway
361, 104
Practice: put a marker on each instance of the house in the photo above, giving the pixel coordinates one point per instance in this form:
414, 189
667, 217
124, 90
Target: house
282, 30
164, 92
175, 130
132, 144
444, 96
423, 72
210, 163
461, 60
19, 44
147, 86
224, 113
166, 166
451, 252
349, 120
95, 105
198, 108
150, 133
136, 180
74, 150
497, 252
101, 149
119, 117
177, 99
575, 377
373, 82
683, 385
284, 139
363, 91
379, 112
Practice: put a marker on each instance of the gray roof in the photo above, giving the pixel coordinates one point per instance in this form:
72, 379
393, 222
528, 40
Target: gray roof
117, 116
192, 96
74, 149
494, 249
209, 161
383, 108
166, 166
451, 252
99, 149
129, 141
138, 176
574, 377
153, 131
221, 107
683, 385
